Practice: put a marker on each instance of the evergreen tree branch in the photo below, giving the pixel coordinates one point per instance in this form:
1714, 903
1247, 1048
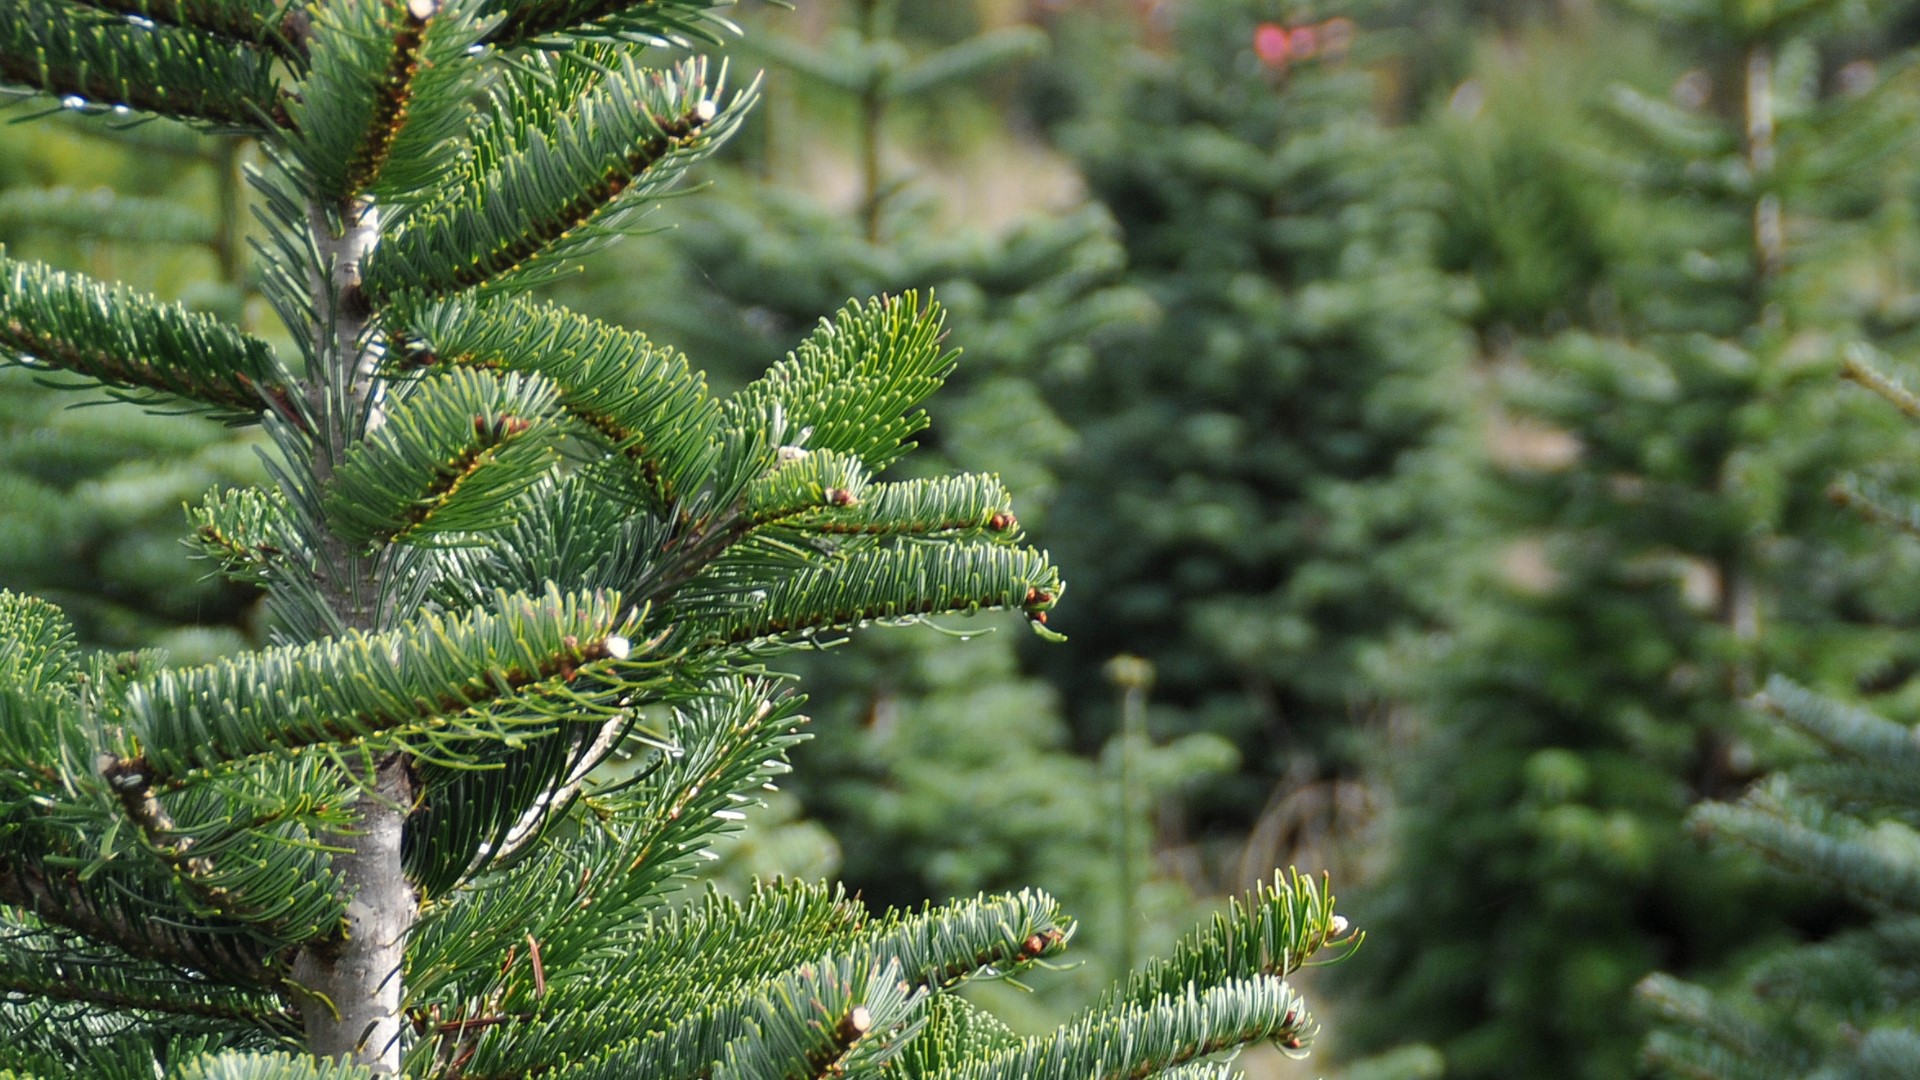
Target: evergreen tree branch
643, 399
726, 744
248, 1065
480, 674
249, 534
717, 609
62, 987
248, 22
567, 531
59, 897
780, 925
798, 483
142, 806
355, 98
589, 903
62, 864
555, 798
1811, 839
270, 882
1890, 1053
932, 950
1139, 1041
1272, 930
968, 60
938, 948
1859, 366
849, 387
68, 51
967, 503
121, 339
553, 22
1712, 1022
488, 811
451, 457
955, 1032
38, 651
1857, 784
384, 98
566, 189
777, 927
1876, 504
35, 965
1677, 132
529, 101
1847, 730
797, 1024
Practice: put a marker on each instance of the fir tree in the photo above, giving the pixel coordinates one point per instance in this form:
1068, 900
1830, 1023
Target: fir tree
1249, 468
1658, 535
503, 543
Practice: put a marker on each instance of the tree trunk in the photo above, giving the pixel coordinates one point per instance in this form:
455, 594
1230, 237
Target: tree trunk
350, 981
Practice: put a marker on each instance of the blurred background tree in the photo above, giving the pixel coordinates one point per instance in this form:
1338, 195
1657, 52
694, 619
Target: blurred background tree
1672, 271
93, 497
1251, 468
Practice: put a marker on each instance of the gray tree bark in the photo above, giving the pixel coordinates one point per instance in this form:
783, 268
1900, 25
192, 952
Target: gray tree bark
350, 982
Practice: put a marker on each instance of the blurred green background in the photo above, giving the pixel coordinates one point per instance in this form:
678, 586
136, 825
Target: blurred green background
1435, 407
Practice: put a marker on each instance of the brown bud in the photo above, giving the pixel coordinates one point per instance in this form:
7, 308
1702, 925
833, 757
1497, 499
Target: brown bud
840, 497
1002, 521
504, 426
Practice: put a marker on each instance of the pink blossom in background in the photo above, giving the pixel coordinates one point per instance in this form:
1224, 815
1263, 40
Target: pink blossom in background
1270, 44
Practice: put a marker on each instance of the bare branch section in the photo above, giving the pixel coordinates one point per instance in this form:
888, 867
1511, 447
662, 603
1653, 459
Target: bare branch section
134, 789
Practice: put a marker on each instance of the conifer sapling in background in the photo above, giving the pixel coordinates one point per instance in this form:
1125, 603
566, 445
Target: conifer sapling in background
1665, 427
1260, 449
503, 543
92, 496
